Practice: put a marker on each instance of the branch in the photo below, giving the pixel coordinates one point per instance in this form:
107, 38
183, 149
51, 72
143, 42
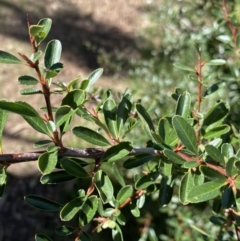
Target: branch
92, 153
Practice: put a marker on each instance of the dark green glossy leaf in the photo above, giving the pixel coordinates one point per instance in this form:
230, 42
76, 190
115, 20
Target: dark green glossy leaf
71, 209
118, 175
88, 210
42, 143
47, 162
206, 191
27, 80
166, 132
166, 191
228, 199
30, 91
90, 136
145, 116
52, 53
124, 193
37, 123
65, 230
19, 107
73, 168
231, 169
184, 67
146, 180
56, 177
74, 99
110, 111
219, 221
118, 151
85, 236
42, 203
213, 88
184, 105
137, 160
187, 183
41, 237
216, 131
104, 186
214, 153
93, 77
7, 58
185, 133
215, 114
211, 174
62, 115
123, 111
172, 156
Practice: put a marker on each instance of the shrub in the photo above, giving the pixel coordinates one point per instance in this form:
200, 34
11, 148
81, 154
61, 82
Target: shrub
190, 161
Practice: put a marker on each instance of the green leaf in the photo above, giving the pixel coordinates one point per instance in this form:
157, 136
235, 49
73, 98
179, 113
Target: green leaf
7, 58
46, 23
41, 237
123, 111
211, 174
145, 116
90, 136
216, 62
65, 230
47, 162
173, 157
93, 77
62, 115
52, 53
184, 105
124, 193
3, 180
71, 209
117, 233
231, 169
85, 236
206, 191
37, 123
73, 168
30, 91
74, 99
117, 152
214, 153
228, 199
146, 180
134, 210
184, 67
187, 183
35, 30
88, 210
215, 114
213, 88
19, 107
43, 203
190, 164
42, 143
216, 132
118, 175
227, 150
137, 160
185, 133
56, 177
104, 186
3, 119
140, 202
27, 80
166, 191
109, 111
166, 132
35, 56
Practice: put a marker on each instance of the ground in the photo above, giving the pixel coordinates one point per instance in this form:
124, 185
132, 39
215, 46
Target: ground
88, 30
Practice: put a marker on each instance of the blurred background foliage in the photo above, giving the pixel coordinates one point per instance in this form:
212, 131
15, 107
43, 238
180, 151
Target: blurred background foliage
143, 58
